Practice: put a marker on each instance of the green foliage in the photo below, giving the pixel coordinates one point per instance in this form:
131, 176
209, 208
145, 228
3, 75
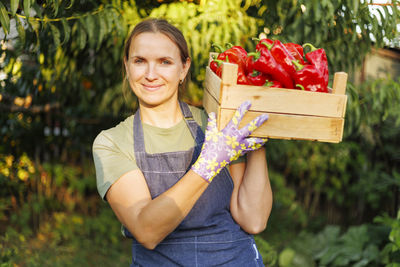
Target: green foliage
268, 252
68, 239
390, 254
363, 245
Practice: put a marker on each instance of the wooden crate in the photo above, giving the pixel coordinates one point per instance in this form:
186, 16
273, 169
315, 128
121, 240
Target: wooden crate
293, 114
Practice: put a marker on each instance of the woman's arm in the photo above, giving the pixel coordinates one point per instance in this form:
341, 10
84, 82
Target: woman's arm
151, 220
251, 200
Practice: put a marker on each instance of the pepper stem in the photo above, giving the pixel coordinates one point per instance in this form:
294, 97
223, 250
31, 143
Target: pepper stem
269, 46
297, 65
255, 73
256, 55
300, 86
228, 45
313, 48
219, 62
268, 83
255, 39
218, 47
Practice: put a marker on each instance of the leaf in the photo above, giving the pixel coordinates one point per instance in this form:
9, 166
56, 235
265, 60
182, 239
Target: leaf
27, 7
91, 29
116, 21
21, 30
4, 19
56, 5
71, 4
56, 35
67, 30
14, 6
82, 36
102, 30
355, 6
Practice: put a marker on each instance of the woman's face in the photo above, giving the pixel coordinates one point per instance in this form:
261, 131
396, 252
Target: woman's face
154, 68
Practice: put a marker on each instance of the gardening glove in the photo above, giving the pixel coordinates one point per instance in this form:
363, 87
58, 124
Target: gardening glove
222, 147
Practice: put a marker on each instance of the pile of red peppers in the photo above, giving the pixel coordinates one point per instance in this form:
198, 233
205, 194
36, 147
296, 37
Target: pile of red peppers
277, 64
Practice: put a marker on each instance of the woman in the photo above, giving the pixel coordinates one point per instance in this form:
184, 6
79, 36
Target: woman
167, 181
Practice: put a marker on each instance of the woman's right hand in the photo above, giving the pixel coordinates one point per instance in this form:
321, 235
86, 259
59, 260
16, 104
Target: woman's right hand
222, 147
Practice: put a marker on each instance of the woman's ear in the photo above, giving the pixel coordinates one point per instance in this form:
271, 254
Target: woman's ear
186, 67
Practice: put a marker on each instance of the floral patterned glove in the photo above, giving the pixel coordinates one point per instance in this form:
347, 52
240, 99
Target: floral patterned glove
221, 148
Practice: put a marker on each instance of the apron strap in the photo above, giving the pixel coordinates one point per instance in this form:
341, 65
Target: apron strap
194, 128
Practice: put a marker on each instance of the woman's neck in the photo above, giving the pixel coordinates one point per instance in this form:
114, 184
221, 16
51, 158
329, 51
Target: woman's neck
163, 116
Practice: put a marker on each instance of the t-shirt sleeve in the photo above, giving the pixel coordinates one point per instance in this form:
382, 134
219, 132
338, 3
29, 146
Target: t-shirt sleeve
110, 161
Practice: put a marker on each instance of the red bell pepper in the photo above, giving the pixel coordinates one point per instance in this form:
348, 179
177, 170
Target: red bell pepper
257, 78
283, 57
240, 51
296, 51
216, 66
317, 57
242, 78
262, 42
264, 62
309, 78
273, 84
236, 55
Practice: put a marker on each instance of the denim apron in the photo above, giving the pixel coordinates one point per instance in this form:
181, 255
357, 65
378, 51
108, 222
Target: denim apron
208, 236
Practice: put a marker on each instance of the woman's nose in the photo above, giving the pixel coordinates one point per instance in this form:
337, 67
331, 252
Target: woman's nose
151, 72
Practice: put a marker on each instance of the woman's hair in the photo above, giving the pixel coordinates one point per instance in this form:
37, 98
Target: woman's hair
161, 26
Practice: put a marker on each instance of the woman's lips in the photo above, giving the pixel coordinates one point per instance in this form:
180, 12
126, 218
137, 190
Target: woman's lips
151, 87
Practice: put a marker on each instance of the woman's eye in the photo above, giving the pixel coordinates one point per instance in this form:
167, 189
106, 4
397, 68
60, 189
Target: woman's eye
166, 62
138, 60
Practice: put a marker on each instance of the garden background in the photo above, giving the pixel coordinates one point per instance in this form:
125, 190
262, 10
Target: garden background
61, 84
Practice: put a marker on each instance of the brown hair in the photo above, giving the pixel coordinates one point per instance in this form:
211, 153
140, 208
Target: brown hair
161, 26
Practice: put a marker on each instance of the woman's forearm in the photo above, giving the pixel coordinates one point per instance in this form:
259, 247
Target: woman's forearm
252, 198
151, 220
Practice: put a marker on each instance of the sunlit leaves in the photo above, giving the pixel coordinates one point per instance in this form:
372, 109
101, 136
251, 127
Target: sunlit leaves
14, 6
56, 34
21, 30
4, 19
43, 18
66, 30
27, 7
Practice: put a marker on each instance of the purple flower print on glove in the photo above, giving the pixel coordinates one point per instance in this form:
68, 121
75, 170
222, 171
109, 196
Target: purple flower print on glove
222, 147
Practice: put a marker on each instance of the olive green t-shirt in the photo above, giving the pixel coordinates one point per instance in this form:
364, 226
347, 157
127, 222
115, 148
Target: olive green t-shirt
113, 151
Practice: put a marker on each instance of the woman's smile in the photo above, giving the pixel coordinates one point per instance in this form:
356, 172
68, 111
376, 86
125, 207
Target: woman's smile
151, 87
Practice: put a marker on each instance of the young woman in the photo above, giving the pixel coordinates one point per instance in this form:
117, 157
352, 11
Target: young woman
183, 196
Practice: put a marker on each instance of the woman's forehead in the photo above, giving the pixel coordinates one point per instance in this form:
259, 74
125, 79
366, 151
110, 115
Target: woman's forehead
153, 42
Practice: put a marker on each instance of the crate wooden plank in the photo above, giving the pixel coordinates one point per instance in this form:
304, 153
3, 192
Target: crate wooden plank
213, 83
284, 126
210, 104
339, 83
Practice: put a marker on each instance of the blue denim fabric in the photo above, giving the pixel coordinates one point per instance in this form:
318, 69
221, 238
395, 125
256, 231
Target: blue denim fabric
208, 236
